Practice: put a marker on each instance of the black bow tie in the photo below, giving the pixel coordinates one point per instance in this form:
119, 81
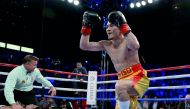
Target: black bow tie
28, 72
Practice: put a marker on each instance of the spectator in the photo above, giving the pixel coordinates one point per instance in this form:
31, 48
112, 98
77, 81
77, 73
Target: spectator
80, 70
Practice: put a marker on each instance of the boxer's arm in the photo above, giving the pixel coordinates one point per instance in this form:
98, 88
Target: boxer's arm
133, 43
89, 20
85, 44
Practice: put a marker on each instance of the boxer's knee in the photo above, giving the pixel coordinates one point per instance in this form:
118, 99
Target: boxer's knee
121, 93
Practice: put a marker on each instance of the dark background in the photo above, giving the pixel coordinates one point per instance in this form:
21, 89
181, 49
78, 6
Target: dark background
52, 28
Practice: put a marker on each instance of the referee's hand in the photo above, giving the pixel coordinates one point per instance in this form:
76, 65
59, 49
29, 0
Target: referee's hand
52, 90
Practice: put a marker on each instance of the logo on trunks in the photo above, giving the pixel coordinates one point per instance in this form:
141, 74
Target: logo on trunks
125, 72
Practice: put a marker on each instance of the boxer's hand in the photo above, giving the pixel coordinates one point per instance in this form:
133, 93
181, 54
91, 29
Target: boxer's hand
89, 20
117, 18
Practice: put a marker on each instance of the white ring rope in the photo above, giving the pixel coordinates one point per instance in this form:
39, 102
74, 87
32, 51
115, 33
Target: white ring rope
64, 89
4, 73
57, 88
154, 78
113, 81
171, 77
52, 78
62, 79
111, 90
151, 88
170, 87
105, 82
140, 99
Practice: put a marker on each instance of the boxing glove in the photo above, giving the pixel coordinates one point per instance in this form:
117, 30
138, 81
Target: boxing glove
89, 20
117, 18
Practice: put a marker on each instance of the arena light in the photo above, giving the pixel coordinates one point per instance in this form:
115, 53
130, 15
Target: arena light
13, 47
70, 1
2, 44
132, 5
138, 4
150, 1
143, 3
26, 49
76, 2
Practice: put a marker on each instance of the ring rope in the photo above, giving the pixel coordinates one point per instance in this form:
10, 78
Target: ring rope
113, 81
169, 68
61, 72
4, 73
140, 99
113, 74
46, 70
151, 88
163, 99
155, 70
66, 98
57, 88
171, 77
170, 87
110, 90
62, 79
64, 89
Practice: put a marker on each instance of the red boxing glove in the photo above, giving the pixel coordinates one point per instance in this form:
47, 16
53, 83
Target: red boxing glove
85, 30
125, 29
